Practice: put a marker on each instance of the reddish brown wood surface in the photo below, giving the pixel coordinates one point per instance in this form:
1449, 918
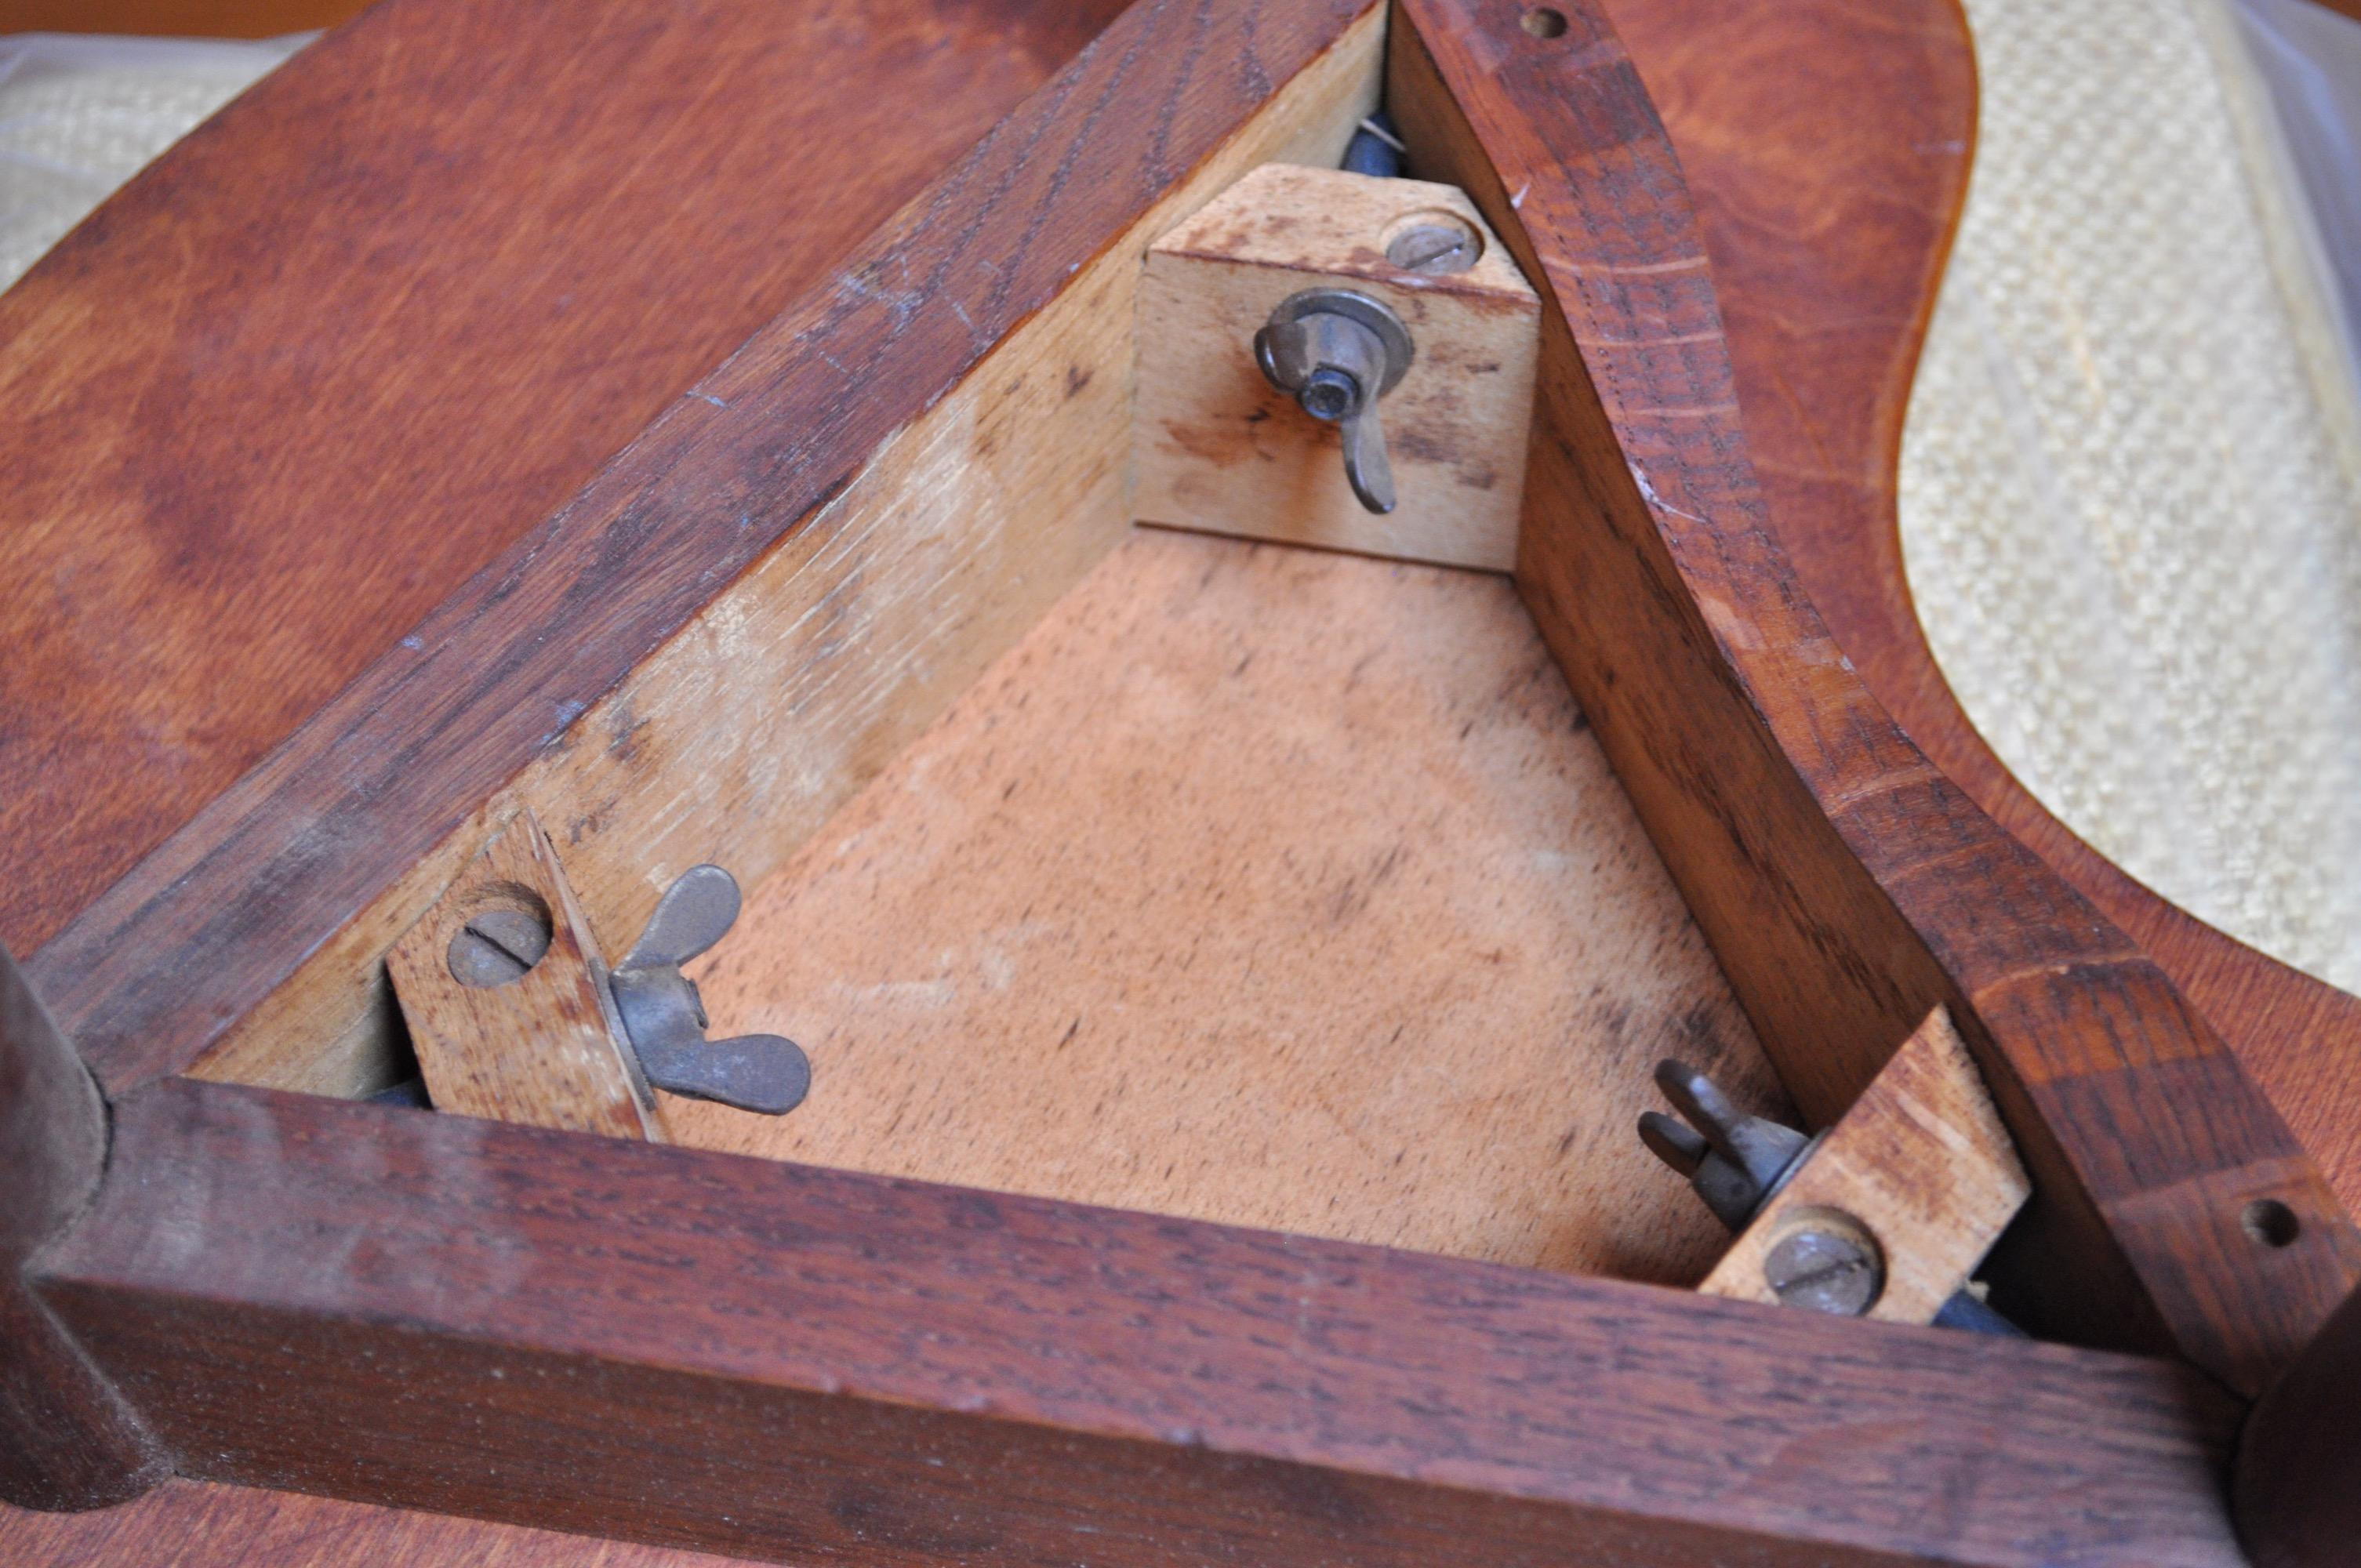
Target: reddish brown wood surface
146, 976
175, 19
2299, 1468
1827, 223
1892, 95
697, 1349
66, 1440
199, 1524
389, 310
1847, 885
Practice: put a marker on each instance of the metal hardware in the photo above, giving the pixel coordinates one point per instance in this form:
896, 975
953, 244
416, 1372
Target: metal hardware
499, 945
1820, 1269
1735, 1161
665, 1017
1435, 246
1738, 1164
1338, 351
1376, 149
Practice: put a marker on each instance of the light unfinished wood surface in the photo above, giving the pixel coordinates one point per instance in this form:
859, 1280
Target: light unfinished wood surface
1920, 1161
544, 1049
1218, 448
739, 736
1257, 884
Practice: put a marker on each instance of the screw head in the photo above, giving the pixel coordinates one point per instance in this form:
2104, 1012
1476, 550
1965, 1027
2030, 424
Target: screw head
499, 945
1435, 246
1822, 1269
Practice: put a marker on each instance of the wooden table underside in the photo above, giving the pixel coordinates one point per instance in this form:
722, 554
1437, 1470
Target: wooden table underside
1826, 241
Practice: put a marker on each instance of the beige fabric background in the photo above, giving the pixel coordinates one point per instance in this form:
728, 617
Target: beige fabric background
80, 115
2130, 473
2130, 469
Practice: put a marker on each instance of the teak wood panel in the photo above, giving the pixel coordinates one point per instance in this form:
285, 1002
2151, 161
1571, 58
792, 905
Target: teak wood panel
1848, 886
691, 1348
348, 341
885, 557
1257, 884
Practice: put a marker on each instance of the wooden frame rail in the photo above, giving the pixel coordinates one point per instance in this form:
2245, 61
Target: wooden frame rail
685, 1347
1846, 884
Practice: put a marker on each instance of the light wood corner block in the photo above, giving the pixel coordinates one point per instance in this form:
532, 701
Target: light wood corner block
1920, 1163
1217, 448
544, 1047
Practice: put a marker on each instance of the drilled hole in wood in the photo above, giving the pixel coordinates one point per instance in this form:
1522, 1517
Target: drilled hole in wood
506, 935
2271, 1223
1543, 22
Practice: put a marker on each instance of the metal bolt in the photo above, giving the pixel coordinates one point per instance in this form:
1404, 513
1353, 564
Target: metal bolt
1329, 394
1337, 352
1820, 1269
498, 946
1735, 1161
1434, 246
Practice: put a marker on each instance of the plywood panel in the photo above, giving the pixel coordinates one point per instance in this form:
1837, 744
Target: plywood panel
1258, 885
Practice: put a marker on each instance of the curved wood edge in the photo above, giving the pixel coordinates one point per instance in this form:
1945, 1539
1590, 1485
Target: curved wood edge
692, 1348
1827, 152
1847, 885
359, 331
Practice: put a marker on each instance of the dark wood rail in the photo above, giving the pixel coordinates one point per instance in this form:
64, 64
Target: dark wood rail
66, 1440
2299, 1475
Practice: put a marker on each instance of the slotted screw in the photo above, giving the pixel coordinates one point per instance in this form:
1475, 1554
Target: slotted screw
498, 946
1435, 249
1821, 1269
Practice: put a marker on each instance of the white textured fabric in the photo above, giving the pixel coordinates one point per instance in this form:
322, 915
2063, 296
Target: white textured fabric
2129, 475
2131, 467
80, 116
2311, 56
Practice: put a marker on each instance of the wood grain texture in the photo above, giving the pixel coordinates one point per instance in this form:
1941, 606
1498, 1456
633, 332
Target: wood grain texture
176, 19
1920, 1161
2298, 1490
688, 1348
198, 1524
1216, 447
1260, 885
66, 1440
545, 1049
1847, 885
1738, 95
388, 775
1827, 144
755, 721
345, 343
